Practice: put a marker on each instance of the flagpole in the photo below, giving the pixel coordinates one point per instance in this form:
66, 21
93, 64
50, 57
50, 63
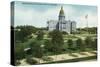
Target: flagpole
86, 17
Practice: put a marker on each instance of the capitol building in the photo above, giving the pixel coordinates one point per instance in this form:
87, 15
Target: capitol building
61, 24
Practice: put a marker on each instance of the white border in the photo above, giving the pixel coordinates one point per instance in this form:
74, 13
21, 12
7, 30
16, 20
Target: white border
5, 32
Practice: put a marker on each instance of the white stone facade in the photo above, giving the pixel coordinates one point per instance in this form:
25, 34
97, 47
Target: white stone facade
62, 24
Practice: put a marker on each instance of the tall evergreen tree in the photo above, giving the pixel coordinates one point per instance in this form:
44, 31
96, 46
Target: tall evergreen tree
88, 42
40, 35
70, 43
79, 44
57, 41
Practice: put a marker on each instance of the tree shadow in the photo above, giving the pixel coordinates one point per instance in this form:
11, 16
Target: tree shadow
93, 52
45, 58
83, 53
73, 55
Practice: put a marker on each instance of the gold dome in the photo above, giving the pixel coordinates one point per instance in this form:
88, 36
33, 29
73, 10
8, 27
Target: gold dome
61, 11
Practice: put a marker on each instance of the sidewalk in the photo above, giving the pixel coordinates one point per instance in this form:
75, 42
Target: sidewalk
63, 57
70, 56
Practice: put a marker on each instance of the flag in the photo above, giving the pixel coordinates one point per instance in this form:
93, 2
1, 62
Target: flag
86, 16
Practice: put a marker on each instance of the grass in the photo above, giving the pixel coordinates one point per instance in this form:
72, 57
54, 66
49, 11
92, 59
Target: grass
66, 37
85, 35
70, 36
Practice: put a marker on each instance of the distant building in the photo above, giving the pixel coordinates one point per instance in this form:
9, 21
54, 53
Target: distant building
62, 24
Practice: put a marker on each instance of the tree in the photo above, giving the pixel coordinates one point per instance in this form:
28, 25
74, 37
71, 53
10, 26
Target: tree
64, 33
92, 30
80, 44
70, 43
36, 49
88, 42
48, 45
94, 45
22, 32
40, 35
49, 34
57, 41
19, 52
73, 32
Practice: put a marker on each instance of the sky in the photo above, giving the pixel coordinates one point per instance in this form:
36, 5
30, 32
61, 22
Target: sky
37, 14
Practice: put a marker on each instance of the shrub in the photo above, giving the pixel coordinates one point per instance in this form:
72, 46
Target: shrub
17, 62
31, 61
19, 51
36, 49
63, 32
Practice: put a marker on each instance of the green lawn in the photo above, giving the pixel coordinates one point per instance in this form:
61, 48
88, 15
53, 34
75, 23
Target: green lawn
66, 37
